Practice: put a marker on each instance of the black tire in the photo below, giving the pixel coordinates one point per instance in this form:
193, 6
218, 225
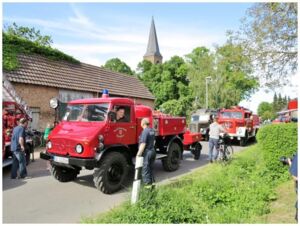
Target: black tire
112, 173
229, 152
197, 151
206, 137
27, 155
63, 174
172, 161
244, 140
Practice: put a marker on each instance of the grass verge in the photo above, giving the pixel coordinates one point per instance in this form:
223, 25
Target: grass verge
233, 193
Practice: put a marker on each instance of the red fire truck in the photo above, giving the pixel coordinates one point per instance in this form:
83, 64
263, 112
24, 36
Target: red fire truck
13, 109
240, 123
88, 137
288, 115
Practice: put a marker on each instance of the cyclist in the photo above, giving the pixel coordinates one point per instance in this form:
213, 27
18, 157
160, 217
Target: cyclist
215, 129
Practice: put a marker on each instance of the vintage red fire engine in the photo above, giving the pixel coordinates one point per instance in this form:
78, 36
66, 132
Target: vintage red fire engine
89, 137
240, 123
13, 109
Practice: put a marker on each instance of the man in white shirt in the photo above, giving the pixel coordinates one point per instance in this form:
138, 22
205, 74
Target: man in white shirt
214, 134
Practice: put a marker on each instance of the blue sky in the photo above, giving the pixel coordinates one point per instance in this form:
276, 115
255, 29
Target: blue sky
96, 32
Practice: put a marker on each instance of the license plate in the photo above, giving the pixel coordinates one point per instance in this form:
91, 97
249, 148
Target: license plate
61, 159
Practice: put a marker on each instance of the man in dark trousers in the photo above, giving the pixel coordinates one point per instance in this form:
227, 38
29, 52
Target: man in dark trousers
146, 149
18, 150
293, 163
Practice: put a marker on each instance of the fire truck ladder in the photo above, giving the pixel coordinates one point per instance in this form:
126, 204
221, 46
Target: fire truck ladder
10, 94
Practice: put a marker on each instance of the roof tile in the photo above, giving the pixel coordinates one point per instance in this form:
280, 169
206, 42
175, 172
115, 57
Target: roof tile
39, 70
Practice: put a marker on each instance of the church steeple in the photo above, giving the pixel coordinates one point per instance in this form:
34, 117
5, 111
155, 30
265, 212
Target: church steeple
153, 55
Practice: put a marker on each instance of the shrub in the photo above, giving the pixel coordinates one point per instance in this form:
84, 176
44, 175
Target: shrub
276, 141
14, 45
233, 193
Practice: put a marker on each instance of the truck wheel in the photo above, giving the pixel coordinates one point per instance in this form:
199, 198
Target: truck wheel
63, 174
112, 173
172, 161
197, 151
244, 140
27, 156
206, 136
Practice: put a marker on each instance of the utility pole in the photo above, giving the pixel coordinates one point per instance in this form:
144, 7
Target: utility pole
207, 79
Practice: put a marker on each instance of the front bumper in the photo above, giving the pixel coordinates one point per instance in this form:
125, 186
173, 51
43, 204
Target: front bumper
88, 163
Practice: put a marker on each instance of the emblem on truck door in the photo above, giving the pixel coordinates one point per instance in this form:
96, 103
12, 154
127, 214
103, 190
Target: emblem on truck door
120, 132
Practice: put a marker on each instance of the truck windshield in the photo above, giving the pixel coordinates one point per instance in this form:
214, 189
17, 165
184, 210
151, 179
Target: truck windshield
200, 118
232, 114
86, 112
195, 118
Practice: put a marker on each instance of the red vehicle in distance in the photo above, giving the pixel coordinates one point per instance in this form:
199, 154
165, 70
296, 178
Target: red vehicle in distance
240, 123
89, 137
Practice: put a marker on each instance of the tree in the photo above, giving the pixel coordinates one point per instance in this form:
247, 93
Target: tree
269, 35
200, 64
30, 34
230, 71
169, 83
265, 110
115, 64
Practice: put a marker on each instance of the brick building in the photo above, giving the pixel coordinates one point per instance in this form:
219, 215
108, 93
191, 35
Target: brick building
38, 79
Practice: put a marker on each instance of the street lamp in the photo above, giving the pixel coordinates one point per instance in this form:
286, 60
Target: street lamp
207, 79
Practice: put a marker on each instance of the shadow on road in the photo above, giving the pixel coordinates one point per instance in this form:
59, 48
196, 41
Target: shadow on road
188, 164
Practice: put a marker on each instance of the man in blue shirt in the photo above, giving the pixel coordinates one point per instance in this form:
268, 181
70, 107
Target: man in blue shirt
294, 172
18, 150
146, 149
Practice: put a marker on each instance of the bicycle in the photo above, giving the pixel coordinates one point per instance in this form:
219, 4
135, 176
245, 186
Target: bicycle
37, 138
225, 148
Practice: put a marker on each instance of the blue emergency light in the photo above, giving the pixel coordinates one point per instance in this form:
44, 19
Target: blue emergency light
105, 93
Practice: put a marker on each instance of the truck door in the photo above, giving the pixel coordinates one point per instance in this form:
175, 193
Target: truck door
122, 130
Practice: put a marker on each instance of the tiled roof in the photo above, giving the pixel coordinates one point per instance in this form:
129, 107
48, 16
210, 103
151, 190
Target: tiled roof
39, 70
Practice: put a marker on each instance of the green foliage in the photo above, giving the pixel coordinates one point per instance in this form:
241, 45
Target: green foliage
265, 111
234, 193
29, 34
230, 71
14, 45
115, 64
276, 141
168, 82
269, 35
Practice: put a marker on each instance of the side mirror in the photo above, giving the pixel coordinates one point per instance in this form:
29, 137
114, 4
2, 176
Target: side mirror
112, 116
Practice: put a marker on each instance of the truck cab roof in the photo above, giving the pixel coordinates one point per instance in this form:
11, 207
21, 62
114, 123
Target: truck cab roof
103, 100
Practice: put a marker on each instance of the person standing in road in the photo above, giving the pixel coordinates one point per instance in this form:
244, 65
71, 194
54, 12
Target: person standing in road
293, 163
18, 150
146, 149
214, 134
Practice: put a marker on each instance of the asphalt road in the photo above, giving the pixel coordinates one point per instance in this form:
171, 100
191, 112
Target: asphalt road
43, 199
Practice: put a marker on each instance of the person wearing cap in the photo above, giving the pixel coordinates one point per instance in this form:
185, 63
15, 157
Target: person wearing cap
18, 150
146, 149
215, 129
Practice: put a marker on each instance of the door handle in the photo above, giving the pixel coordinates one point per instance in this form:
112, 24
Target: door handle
131, 127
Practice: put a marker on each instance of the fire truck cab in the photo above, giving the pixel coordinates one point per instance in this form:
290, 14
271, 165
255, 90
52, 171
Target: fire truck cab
240, 123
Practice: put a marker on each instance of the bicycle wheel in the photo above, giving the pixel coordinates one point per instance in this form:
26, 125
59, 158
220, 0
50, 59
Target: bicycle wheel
228, 151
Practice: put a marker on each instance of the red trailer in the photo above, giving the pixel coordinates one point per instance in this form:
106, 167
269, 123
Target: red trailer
98, 143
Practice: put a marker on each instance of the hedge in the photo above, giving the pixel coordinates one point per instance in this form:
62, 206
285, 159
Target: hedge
276, 141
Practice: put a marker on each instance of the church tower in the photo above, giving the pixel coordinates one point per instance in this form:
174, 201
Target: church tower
153, 55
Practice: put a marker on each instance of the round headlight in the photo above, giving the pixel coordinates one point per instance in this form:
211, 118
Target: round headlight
79, 148
54, 103
49, 145
101, 138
